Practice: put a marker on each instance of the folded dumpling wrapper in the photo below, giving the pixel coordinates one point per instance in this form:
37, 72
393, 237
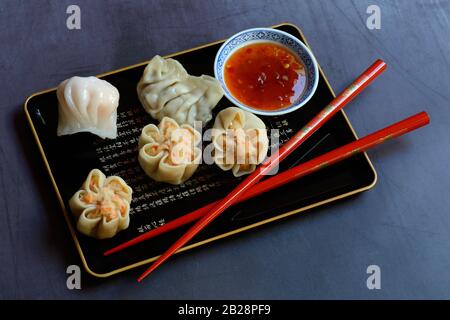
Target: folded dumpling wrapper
87, 104
167, 90
240, 141
169, 152
102, 205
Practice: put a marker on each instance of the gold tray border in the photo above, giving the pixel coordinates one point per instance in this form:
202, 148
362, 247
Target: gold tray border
200, 243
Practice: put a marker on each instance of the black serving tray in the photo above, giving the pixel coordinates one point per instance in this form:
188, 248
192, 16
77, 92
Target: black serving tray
70, 158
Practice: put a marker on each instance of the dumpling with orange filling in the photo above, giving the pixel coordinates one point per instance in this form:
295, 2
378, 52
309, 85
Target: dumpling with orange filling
102, 205
240, 141
169, 152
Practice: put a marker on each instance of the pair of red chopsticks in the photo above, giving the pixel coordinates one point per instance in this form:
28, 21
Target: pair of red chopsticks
250, 186
361, 145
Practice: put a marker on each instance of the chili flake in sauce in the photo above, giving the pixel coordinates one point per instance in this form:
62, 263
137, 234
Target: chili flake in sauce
265, 76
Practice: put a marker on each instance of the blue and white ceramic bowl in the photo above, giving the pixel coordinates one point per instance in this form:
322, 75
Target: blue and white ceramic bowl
294, 45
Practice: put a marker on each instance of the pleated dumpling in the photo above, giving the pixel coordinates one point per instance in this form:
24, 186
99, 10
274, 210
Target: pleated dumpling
167, 90
169, 152
240, 141
87, 104
102, 205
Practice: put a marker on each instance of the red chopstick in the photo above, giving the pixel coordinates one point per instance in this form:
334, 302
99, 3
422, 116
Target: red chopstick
337, 104
361, 145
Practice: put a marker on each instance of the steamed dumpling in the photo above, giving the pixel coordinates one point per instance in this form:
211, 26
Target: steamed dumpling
102, 205
240, 141
167, 90
169, 152
87, 104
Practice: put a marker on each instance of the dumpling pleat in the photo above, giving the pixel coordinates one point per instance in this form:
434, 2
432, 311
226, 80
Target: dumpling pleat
77, 206
88, 226
171, 141
176, 94
240, 141
87, 104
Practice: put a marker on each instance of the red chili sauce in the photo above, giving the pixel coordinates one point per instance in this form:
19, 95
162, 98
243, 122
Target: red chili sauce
265, 76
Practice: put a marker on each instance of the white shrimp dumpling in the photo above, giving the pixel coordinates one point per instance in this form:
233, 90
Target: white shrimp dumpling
169, 152
87, 104
167, 90
102, 205
240, 141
